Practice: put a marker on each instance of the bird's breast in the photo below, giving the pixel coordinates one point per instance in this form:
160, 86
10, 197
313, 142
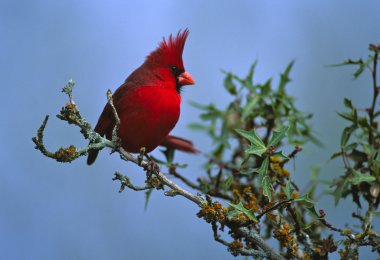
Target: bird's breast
148, 115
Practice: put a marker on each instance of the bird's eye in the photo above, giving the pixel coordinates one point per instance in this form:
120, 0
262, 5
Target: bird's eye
174, 69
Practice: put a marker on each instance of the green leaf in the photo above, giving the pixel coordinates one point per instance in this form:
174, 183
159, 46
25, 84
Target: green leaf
376, 114
266, 89
258, 147
376, 165
360, 177
158, 160
289, 190
361, 68
147, 197
245, 211
284, 77
249, 171
202, 107
347, 116
280, 155
249, 79
278, 136
196, 126
227, 183
348, 103
313, 212
256, 150
169, 155
267, 187
351, 146
347, 62
305, 198
363, 121
233, 213
68, 88
341, 188
358, 156
300, 218
248, 108
346, 135
368, 149
229, 84
262, 171
335, 155
251, 136
376, 214
315, 170
362, 65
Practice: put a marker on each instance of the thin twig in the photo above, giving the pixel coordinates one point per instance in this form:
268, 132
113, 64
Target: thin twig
71, 114
173, 171
330, 226
274, 207
258, 254
252, 236
294, 217
165, 180
375, 92
126, 182
213, 192
115, 131
293, 154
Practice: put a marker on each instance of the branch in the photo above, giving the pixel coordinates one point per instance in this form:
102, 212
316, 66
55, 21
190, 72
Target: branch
214, 192
70, 113
173, 171
293, 154
126, 182
236, 247
115, 130
252, 236
161, 176
274, 207
371, 112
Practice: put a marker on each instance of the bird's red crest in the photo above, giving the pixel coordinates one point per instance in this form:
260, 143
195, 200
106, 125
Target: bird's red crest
170, 50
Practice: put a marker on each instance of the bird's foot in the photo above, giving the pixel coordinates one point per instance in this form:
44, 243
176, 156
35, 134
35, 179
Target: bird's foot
140, 157
152, 166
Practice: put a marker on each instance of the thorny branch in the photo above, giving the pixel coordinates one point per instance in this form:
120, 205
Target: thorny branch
236, 247
234, 181
371, 111
70, 114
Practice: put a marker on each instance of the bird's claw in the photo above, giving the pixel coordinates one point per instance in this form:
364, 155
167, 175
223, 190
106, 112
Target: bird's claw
140, 157
152, 166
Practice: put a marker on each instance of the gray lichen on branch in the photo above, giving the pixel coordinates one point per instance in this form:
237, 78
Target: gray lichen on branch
264, 199
155, 178
62, 154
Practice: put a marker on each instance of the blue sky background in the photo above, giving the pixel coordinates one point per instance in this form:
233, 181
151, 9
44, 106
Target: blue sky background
72, 211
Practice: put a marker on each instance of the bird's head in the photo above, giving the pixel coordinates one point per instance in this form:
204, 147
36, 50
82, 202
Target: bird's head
167, 59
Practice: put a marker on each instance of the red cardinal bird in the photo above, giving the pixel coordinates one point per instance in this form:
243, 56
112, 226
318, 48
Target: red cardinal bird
148, 102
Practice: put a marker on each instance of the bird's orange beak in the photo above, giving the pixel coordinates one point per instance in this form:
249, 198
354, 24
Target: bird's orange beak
185, 79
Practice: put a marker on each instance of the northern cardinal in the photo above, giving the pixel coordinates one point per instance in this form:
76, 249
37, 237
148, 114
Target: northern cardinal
148, 102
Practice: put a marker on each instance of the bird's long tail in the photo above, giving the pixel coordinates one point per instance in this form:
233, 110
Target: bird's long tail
180, 144
92, 154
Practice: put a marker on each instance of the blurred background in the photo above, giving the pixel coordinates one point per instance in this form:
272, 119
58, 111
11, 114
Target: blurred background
50, 210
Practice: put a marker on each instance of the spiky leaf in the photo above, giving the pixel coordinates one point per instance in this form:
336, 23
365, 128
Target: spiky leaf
239, 207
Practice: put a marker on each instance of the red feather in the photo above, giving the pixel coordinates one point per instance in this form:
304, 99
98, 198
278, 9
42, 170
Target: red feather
178, 143
148, 102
